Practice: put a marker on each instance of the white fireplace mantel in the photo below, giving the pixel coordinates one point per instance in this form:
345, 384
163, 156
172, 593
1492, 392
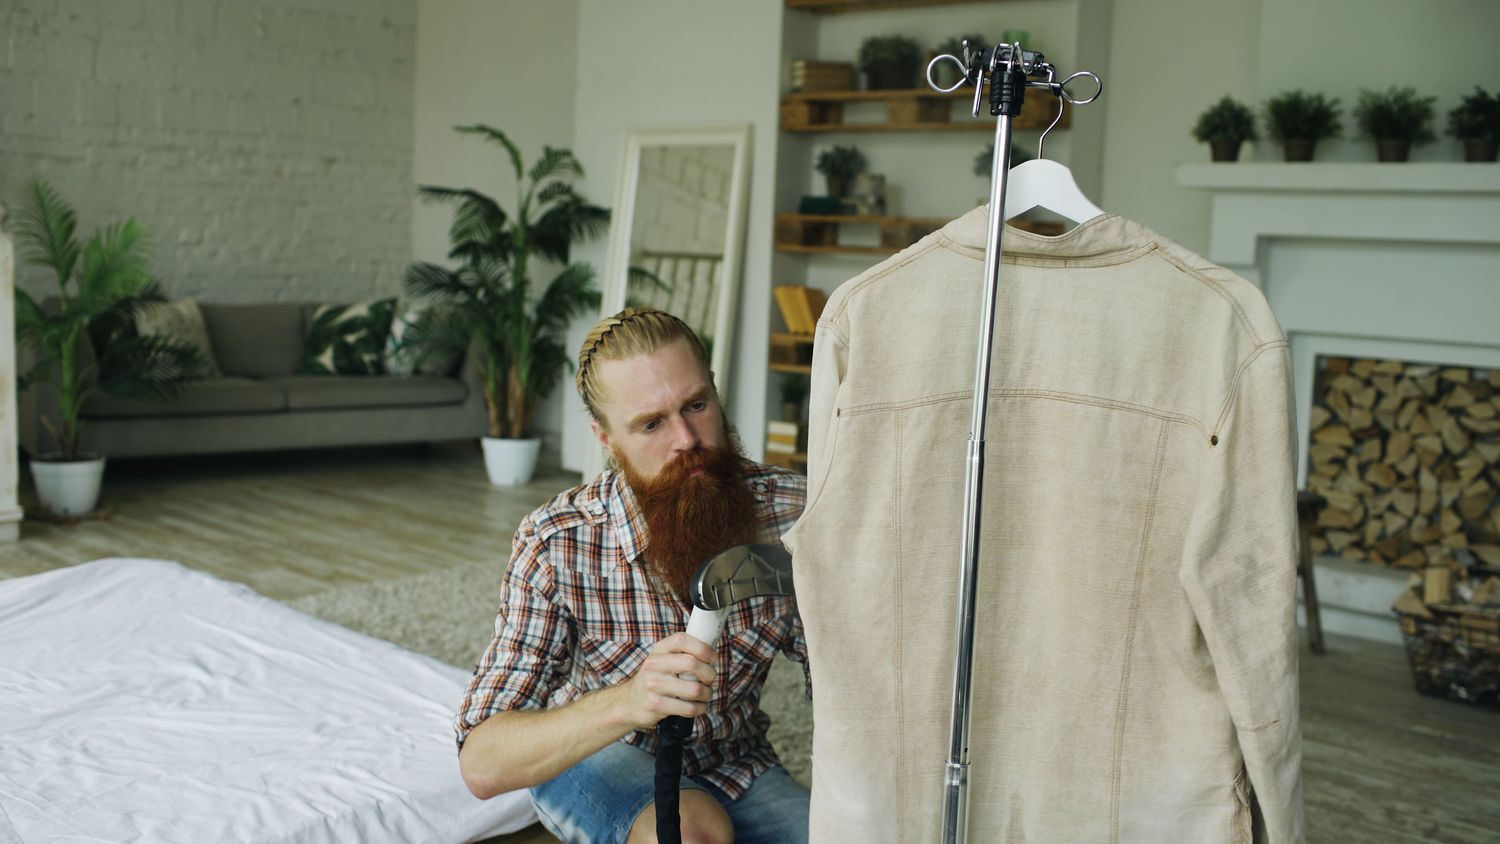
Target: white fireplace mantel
1364, 260
1427, 202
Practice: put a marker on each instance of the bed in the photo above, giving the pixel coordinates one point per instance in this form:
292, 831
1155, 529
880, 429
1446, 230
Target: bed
144, 701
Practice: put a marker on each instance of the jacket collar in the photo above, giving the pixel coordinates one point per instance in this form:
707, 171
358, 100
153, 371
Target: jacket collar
1104, 239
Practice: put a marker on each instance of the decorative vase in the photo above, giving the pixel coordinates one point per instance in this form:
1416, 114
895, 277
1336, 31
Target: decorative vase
1224, 150
510, 462
1299, 149
1481, 150
1390, 150
67, 487
838, 186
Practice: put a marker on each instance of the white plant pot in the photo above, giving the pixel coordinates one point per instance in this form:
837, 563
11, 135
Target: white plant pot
510, 462
67, 488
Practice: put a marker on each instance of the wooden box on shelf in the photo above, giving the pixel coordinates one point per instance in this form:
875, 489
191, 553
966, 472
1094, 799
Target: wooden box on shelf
809, 75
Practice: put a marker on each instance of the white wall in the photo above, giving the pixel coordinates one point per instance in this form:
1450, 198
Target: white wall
1171, 59
1442, 48
1158, 83
512, 66
675, 63
265, 144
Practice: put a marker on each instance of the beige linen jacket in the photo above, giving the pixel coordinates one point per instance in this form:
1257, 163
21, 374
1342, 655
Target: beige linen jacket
1135, 669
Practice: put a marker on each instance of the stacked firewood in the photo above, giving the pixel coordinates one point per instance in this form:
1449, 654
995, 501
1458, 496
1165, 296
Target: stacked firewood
1408, 456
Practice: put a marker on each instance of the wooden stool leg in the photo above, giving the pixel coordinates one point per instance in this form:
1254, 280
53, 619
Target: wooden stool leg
1309, 587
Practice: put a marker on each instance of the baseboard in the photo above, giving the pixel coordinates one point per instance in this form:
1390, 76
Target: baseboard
1354, 599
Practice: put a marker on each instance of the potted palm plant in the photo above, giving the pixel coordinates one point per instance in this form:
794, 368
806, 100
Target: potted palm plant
101, 285
1299, 120
1225, 126
487, 302
1396, 120
1476, 122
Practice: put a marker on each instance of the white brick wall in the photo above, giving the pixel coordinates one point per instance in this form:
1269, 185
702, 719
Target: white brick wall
682, 199
265, 144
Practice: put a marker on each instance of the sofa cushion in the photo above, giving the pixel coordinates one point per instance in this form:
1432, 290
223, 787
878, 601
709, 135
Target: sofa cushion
328, 392
347, 339
255, 340
180, 321
208, 397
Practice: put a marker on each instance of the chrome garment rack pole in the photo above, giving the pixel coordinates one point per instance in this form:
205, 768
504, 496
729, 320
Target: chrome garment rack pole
1009, 70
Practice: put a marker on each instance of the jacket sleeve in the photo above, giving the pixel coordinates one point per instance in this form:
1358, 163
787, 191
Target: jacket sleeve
1239, 570
830, 361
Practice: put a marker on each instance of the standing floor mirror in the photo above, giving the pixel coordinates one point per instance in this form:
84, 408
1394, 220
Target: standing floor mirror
677, 238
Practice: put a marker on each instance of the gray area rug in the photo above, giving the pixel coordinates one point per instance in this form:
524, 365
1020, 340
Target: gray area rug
450, 614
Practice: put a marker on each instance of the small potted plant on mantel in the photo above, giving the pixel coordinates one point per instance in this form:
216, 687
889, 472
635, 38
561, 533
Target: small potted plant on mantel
101, 286
890, 62
1225, 126
1396, 120
839, 165
1299, 120
1476, 122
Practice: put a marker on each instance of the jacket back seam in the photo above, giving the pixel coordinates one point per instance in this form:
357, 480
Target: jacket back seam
1123, 697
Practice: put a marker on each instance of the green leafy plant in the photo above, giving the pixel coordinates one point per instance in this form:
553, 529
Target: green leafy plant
1476, 117
1395, 114
1300, 115
1226, 120
487, 300
101, 286
890, 61
841, 162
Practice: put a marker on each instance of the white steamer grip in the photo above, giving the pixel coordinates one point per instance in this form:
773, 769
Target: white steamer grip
741, 573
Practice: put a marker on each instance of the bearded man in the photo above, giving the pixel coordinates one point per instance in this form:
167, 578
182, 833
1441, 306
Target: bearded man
589, 653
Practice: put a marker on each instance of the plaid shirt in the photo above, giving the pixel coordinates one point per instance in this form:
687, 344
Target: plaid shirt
578, 613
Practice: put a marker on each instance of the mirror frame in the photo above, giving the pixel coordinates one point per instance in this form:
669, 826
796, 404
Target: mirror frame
617, 263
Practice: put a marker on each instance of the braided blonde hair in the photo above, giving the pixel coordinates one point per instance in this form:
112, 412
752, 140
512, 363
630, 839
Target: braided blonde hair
631, 332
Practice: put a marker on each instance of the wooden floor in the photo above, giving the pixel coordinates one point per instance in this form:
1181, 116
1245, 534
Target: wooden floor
1382, 764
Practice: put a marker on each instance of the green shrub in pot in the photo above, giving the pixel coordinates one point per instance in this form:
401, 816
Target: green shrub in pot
1396, 119
1299, 119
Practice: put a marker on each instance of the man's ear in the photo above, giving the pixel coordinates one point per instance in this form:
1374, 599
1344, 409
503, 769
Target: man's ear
603, 437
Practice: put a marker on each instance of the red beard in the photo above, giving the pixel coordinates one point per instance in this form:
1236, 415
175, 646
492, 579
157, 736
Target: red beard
692, 517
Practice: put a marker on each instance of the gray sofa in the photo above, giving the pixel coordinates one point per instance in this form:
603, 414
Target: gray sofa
261, 404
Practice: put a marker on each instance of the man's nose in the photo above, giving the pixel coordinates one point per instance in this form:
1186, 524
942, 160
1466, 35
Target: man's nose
686, 436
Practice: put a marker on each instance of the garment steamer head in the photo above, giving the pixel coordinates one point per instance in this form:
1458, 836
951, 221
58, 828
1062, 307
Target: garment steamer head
742, 572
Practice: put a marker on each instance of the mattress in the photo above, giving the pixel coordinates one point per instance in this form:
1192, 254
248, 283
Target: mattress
144, 701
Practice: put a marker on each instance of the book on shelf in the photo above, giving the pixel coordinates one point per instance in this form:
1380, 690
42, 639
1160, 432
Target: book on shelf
783, 427
801, 306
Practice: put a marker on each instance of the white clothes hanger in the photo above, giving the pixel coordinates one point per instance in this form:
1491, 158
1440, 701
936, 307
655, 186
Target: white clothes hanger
1042, 183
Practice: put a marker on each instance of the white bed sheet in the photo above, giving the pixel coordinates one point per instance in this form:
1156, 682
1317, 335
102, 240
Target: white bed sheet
144, 701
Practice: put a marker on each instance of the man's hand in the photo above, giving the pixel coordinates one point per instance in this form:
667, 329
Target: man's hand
656, 690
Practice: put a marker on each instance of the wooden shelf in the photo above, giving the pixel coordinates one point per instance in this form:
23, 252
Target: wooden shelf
876, 96
794, 368
818, 234
788, 337
907, 110
836, 7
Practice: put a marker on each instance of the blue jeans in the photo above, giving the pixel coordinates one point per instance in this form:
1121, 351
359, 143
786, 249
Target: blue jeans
597, 800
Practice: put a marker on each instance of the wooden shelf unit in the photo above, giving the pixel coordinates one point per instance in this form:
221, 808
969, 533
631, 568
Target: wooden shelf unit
907, 110
819, 233
837, 7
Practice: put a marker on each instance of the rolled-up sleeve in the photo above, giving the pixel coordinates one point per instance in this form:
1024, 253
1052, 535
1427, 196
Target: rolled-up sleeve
529, 656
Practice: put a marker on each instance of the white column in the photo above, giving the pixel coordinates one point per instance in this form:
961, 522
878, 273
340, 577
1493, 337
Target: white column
10, 462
